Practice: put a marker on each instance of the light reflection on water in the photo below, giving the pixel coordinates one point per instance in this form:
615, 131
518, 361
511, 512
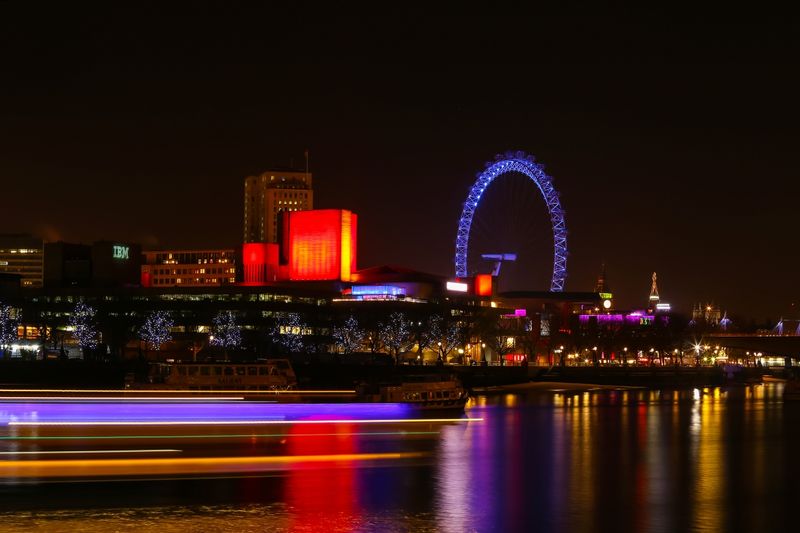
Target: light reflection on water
704, 460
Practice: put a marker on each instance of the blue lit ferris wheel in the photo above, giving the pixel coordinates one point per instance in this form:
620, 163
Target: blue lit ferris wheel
525, 164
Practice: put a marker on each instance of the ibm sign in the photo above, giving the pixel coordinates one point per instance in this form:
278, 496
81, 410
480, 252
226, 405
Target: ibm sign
121, 252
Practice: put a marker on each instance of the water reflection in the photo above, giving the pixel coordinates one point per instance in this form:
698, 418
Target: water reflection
319, 495
567, 460
627, 460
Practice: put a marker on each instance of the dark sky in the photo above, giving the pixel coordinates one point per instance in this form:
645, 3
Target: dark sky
672, 140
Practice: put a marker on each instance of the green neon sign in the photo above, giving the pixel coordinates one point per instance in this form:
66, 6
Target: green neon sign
121, 252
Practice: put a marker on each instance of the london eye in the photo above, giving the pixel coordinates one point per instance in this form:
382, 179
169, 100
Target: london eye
503, 216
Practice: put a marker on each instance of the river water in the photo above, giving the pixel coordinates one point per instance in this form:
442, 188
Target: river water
545, 459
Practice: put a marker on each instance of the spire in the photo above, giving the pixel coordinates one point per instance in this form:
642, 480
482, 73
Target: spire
601, 285
654, 298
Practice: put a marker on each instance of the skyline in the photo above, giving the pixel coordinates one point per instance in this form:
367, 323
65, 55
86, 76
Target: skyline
659, 147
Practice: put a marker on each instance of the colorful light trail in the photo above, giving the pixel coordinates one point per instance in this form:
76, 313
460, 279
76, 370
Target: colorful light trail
164, 413
247, 422
83, 468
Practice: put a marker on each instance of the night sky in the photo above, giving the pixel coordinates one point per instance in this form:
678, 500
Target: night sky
673, 141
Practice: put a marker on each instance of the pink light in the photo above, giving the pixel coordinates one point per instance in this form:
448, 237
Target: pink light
520, 312
246, 422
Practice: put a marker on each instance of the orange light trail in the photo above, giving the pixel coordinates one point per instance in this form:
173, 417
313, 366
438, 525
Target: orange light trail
181, 465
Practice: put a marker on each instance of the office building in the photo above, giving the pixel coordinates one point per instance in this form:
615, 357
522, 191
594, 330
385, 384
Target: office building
22, 255
101, 264
269, 194
188, 268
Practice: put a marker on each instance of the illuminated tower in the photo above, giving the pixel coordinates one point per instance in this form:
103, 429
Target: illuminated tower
269, 194
654, 298
601, 285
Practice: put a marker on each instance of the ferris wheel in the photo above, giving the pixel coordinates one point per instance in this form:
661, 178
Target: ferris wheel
518, 163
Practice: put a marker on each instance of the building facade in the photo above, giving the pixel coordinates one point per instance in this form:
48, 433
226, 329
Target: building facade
100, 264
269, 194
22, 255
188, 268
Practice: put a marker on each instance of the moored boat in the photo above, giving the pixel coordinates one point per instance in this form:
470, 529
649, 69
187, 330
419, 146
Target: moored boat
265, 375
423, 394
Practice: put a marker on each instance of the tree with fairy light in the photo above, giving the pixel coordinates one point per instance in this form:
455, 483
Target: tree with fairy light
396, 334
83, 325
9, 322
349, 336
445, 336
289, 332
225, 332
156, 329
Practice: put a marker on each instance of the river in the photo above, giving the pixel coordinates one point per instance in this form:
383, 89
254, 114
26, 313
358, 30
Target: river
544, 459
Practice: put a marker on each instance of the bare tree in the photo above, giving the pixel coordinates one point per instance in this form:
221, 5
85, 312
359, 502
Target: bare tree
9, 322
445, 335
396, 334
156, 329
226, 333
289, 332
84, 327
349, 336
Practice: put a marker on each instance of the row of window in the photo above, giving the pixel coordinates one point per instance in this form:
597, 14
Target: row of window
191, 258
176, 271
224, 297
191, 281
227, 371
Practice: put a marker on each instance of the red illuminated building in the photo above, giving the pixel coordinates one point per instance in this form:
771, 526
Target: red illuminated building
260, 260
317, 245
483, 285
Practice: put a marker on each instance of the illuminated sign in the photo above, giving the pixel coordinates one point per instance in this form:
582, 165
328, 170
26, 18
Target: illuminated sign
606, 296
457, 286
121, 252
663, 307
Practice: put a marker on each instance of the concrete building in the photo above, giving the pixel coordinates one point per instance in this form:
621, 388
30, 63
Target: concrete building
188, 268
23, 255
269, 194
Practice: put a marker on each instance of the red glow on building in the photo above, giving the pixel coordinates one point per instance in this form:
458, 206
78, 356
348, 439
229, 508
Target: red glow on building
260, 261
321, 244
483, 284
147, 278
